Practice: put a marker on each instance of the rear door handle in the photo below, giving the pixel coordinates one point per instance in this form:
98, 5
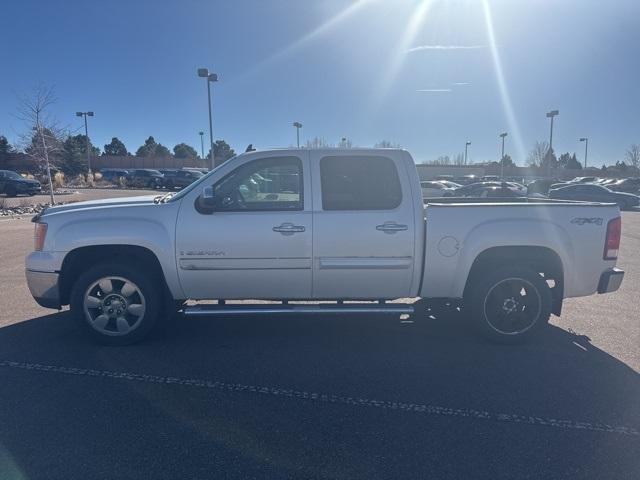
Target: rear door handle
391, 227
289, 229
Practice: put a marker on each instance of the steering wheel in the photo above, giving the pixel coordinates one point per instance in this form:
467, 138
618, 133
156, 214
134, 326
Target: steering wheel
234, 200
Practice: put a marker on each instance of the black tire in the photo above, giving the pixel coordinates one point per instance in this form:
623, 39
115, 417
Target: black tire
11, 191
169, 185
509, 305
149, 295
31, 194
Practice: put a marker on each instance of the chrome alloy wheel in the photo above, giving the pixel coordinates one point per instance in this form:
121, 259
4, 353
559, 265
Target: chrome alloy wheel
512, 306
114, 306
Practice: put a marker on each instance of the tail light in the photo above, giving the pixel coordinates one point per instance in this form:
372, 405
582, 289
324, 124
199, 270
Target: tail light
39, 236
612, 241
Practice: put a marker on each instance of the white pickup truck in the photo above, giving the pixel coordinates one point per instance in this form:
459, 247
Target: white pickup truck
319, 225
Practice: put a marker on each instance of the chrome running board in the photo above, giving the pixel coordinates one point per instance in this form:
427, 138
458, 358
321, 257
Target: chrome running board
283, 309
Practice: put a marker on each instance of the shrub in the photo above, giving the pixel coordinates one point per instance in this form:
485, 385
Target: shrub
58, 180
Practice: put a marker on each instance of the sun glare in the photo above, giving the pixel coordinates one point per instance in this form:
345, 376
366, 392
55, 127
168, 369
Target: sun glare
502, 84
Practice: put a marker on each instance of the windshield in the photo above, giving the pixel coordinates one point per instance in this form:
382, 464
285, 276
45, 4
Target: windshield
12, 175
196, 184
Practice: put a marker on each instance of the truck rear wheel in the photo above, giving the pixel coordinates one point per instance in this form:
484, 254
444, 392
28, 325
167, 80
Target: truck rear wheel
510, 304
116, 304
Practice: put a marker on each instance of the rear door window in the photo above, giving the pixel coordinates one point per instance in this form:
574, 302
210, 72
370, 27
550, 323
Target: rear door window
359, 183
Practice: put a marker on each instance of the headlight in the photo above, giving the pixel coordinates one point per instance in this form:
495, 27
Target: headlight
39, 236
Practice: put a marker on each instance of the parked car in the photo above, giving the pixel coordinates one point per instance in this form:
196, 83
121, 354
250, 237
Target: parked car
595, 193
583, 180
181, 178
13, 184
540, 186
629, 185
449, 183
436, 189
481, 189
113, 174
262, 226
145, 178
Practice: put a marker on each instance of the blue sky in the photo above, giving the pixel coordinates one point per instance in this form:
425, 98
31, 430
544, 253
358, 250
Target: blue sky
427, 75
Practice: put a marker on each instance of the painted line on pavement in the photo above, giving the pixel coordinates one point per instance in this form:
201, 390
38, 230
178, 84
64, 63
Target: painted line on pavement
329, 398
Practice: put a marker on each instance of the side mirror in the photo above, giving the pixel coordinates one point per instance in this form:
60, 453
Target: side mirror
208, 199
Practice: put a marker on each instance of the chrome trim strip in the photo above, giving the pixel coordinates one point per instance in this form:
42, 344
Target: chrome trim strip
204, 310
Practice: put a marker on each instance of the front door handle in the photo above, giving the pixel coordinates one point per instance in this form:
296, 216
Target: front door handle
391, 227
289, 229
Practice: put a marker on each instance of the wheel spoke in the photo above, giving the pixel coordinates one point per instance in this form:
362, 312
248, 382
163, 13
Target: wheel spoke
122, 325
106, 285
100, 321
128, 289
93, 302
136, 309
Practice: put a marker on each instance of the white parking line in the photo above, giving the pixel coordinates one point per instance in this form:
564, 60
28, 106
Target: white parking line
329, 398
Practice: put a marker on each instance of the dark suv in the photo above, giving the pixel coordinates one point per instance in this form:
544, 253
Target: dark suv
113, 174
13, 184
181, 178
145, 178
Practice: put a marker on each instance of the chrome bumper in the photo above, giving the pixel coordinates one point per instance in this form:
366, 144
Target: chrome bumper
44, 288
610, 280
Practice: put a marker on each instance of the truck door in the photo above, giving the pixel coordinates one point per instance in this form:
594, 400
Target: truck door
256, 241
363, 237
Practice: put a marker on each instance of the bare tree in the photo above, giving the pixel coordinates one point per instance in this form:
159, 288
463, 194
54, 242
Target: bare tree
537, 154
43, 138
345, 143
386, 144
632, 155
317, 142
441, 160
458, 159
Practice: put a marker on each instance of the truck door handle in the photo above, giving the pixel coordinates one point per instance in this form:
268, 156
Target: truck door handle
289, 229
391, 227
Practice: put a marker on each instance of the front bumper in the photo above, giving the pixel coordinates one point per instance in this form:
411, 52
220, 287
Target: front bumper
610, 280
44, 288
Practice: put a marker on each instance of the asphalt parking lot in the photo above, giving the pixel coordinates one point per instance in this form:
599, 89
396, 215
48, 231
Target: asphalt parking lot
351, 397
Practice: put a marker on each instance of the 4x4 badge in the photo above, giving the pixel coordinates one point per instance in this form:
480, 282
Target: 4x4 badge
582, 220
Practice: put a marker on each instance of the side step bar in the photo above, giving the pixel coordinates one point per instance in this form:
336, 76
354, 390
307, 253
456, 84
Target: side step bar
281, 309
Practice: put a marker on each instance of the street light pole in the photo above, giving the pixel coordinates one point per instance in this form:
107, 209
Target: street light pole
201, 144
550, 115
466, 146
586, 147
211, 77
502, 135
298, 126
86, 135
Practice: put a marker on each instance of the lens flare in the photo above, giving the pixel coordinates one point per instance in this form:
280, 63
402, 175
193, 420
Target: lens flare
502, 84
304, 40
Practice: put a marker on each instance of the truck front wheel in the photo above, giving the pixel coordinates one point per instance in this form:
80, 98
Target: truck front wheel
510, 304
116, 304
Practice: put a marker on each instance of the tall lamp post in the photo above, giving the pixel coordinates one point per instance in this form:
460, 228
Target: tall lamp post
86, 135
502, 135
586, 148
201, 143
211, 77
466, 146
550, 115
298, 126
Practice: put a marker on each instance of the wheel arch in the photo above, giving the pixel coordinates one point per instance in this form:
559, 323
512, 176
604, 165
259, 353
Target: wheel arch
541, 259
77, 260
